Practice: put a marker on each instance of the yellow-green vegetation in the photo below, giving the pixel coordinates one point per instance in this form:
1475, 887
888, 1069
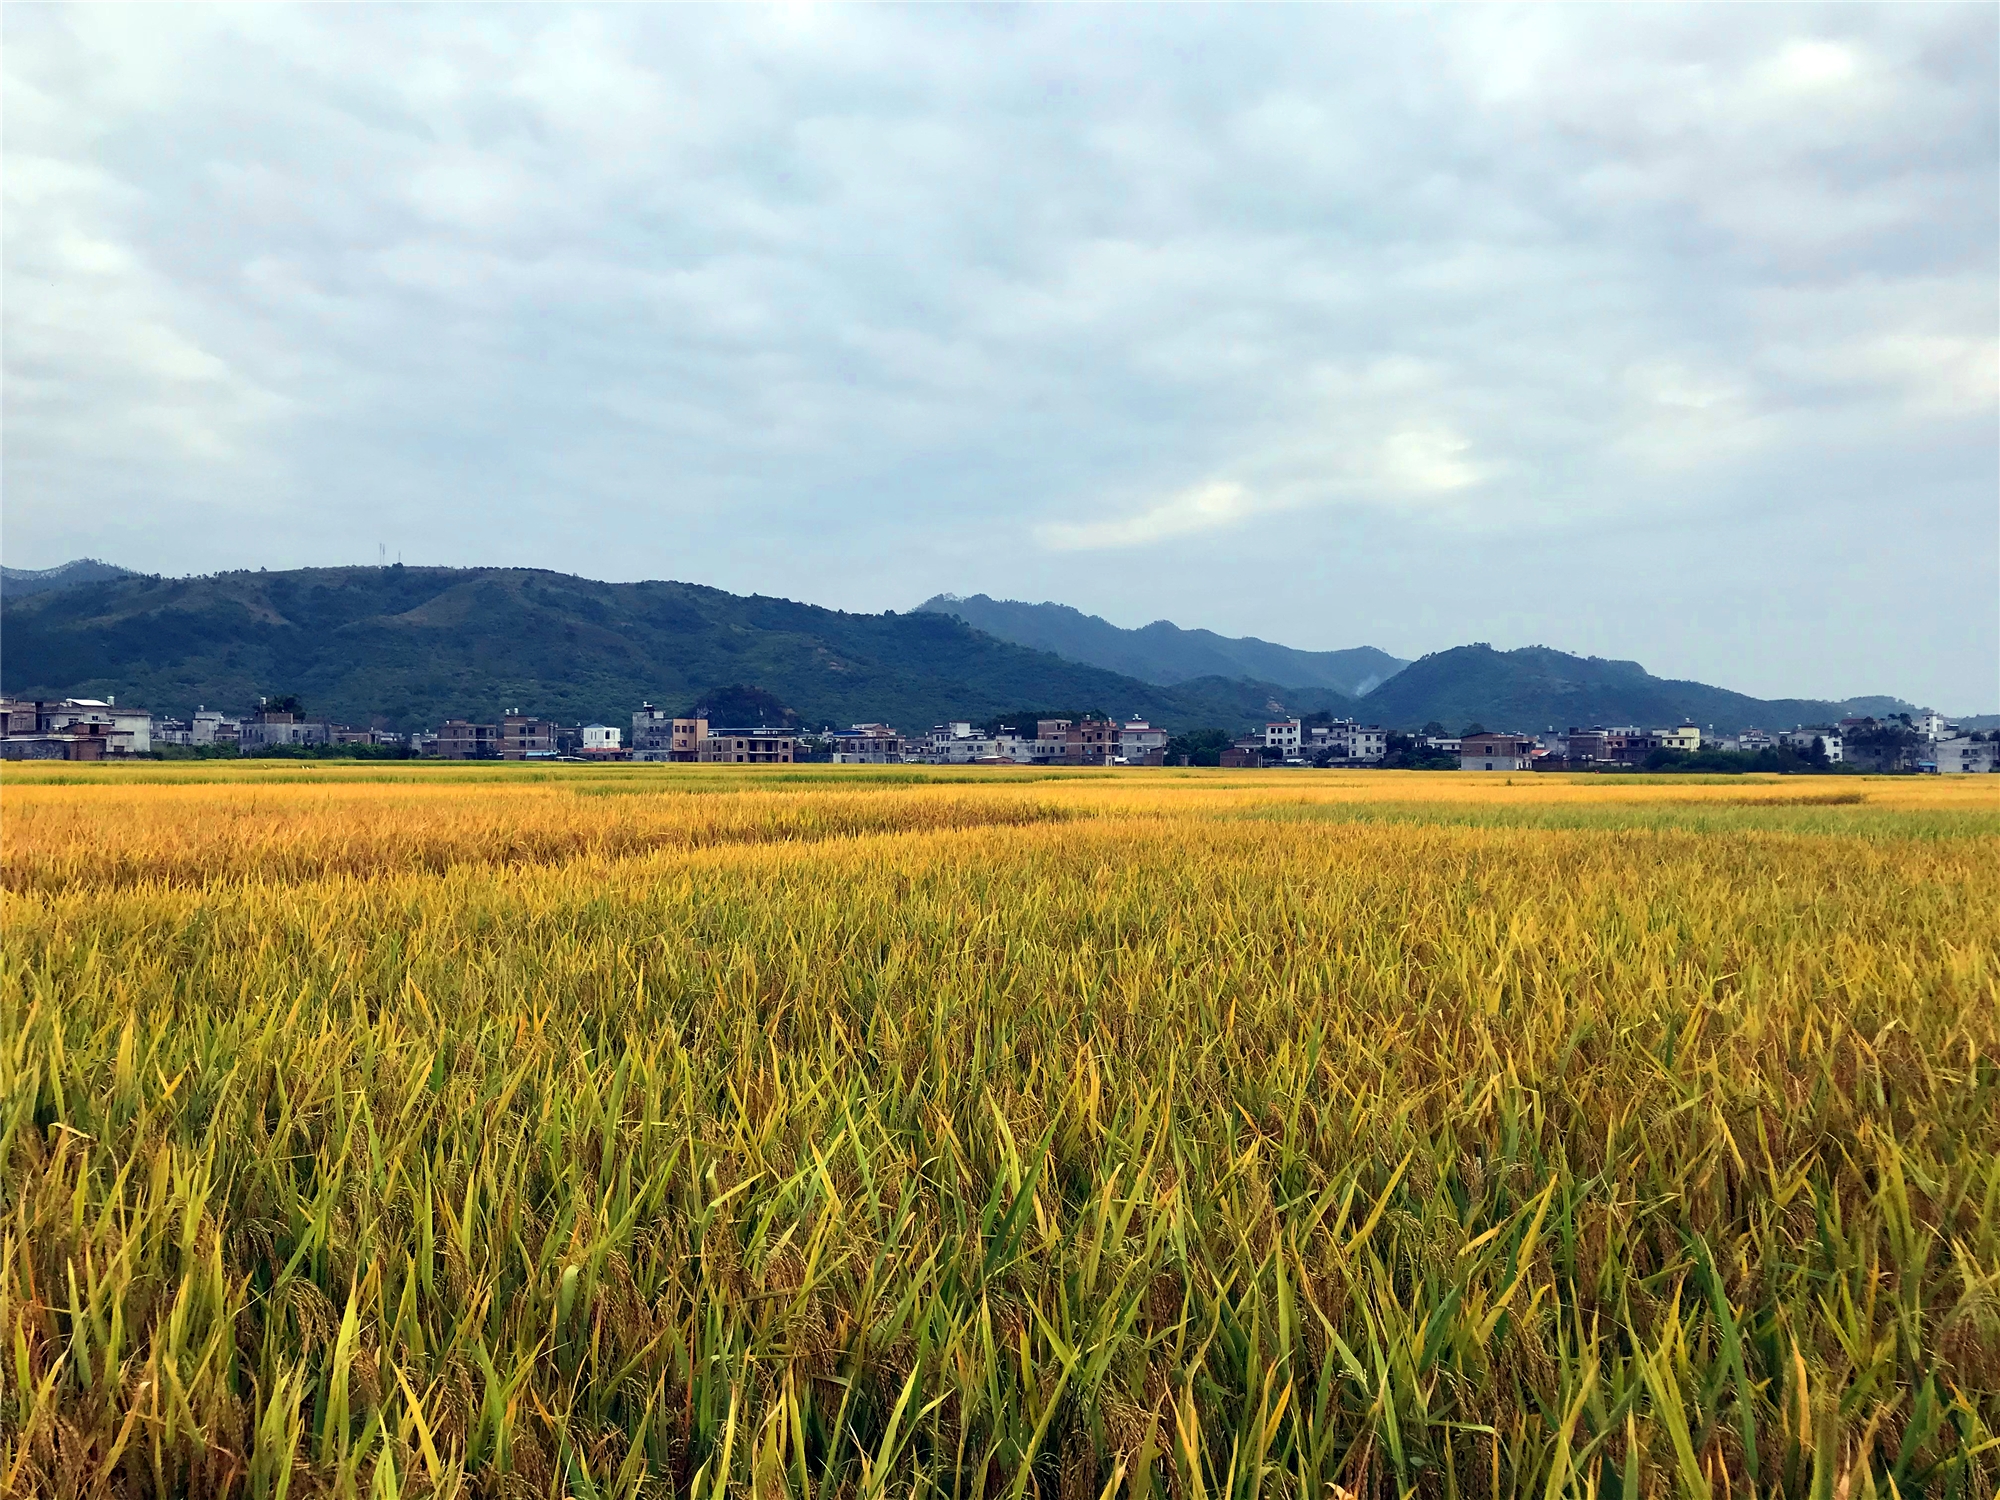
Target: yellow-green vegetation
1194, 1135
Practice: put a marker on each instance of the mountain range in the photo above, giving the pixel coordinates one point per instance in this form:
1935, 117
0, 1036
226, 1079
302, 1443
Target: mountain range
408, 647
1163, 652
1535, 688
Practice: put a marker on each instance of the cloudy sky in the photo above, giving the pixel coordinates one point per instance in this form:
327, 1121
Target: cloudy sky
1664, 333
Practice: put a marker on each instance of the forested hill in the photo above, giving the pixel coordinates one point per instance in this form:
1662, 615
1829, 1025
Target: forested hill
1163, 652
18, 583
1536, 688
407, 647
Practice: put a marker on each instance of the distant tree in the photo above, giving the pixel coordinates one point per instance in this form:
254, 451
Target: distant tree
1028, 718
1433, 729
1475, 727
1402, 753
743, 705
1202, 747
288, 704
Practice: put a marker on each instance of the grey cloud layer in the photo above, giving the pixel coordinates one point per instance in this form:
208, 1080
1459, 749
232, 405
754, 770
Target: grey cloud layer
1669, 333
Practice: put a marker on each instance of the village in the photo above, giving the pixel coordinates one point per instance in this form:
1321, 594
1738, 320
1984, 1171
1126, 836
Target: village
88, 729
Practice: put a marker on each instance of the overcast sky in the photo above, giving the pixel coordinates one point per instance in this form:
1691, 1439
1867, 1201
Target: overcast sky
1663, 333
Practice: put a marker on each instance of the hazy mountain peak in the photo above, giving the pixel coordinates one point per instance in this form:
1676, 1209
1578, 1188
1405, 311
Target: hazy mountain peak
18, 583
1162, 652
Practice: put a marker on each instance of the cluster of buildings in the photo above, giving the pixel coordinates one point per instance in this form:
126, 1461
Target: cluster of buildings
1924, 742
1055, 742
1291, 742
97, 729
72, 729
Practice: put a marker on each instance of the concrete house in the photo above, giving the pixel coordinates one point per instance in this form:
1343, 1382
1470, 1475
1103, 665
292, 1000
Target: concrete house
1965, 756
1496, 752
761, 746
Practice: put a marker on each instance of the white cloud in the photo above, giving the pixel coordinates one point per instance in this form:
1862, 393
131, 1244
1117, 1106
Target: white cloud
829, 300
1207, 507
1812, 63
1427, 461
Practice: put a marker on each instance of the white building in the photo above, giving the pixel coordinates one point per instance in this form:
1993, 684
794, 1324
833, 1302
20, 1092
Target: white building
1283, 735
1931, 724
1140, 743
213, 727
131, 728
1349, 741
1962, 756
601, 738
959, 744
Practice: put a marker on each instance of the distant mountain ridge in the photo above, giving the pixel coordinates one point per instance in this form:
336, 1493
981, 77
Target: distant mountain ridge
18, 583
408, 647
1163, 652
1536, 688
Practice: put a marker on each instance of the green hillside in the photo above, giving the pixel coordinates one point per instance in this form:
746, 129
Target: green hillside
407, 647
1537, 688
1163, 652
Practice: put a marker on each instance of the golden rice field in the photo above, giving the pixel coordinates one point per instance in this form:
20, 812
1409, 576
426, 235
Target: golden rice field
835, 1135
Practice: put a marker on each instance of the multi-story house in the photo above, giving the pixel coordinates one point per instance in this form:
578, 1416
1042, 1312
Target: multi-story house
1284, 736
1496, 752
602, 742
1140, 744
652, 734
1628, 744
659, 735
1091, 742
958, 743
865, 745
1584, 744
69, 729
684, 739
1685, 738
213, 727
459, 739
761, 746
1346, 740
268, 729
125, 731
1051, 742
524, 737
1963, 755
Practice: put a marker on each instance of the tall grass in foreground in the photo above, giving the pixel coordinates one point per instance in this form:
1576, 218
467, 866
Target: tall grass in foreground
1129, 1141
